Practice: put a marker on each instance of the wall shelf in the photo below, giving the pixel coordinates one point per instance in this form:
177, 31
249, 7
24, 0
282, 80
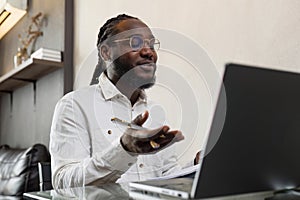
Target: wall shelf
29, 71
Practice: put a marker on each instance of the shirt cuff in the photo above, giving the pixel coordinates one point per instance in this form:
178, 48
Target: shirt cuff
117, 158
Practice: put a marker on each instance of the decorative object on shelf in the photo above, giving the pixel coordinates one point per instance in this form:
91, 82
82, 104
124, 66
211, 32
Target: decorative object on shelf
31, 35
21, 56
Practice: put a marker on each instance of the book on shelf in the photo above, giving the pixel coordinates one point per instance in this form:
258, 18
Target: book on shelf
48, 58
47, 51
47, 54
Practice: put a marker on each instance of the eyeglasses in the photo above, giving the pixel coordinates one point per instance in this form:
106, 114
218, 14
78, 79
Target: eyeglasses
137, 42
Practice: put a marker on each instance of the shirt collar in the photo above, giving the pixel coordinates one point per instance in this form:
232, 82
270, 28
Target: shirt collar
110, 91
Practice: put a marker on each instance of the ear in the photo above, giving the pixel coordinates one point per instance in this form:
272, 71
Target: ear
105, 52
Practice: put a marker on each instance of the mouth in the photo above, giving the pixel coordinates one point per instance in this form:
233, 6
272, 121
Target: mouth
147, 67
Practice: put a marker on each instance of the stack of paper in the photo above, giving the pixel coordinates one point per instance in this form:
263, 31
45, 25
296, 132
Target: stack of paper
47, 54
183, 172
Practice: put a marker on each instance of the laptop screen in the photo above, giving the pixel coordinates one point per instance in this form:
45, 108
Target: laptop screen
258, 144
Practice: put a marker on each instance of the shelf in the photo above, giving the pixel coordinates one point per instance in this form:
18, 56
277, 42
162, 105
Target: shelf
29, 71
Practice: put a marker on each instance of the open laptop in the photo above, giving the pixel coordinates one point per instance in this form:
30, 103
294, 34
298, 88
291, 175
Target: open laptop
254, 139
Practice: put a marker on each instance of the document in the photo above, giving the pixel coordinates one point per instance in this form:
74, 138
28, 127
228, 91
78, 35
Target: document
182, 172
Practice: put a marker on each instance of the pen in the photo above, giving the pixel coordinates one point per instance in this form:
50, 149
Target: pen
125, 123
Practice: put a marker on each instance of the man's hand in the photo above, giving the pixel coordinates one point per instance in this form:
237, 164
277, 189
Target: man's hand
145, 141
197, 158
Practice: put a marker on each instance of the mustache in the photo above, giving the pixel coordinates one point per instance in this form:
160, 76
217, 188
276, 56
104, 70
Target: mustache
129, 78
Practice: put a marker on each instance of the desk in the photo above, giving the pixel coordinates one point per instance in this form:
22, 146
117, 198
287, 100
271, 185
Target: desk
117, 192
106, 192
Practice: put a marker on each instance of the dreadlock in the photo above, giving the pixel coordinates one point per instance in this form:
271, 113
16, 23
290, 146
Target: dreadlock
107, 30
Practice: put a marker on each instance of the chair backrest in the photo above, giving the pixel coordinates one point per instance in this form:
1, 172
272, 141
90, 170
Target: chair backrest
45, 176
19, 169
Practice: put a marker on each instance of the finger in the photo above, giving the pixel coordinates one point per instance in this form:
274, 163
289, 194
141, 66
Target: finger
159, 132
146, 134
150, 134
164, 141
197, 158
170, 137
178, 135
140, 119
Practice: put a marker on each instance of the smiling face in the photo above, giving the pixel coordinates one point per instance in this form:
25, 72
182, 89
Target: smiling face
130, 64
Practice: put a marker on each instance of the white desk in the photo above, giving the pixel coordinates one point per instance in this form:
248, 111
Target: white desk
116, 191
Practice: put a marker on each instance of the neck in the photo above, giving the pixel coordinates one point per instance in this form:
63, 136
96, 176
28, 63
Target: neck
132, 93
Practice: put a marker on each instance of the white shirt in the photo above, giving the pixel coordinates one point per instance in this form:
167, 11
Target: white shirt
85, 144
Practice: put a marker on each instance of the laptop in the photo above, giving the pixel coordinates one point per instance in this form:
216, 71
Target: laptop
254, 141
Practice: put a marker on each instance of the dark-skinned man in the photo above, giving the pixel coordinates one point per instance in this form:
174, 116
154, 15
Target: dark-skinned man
87, 146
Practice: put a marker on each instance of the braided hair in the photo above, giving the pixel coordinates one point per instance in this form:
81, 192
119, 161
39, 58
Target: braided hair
107, 30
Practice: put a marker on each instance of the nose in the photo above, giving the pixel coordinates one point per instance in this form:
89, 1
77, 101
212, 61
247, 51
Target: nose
147, 52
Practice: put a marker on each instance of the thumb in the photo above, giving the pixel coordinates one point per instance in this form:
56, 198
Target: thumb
140, 119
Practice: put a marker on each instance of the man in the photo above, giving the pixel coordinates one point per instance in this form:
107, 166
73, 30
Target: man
87, 146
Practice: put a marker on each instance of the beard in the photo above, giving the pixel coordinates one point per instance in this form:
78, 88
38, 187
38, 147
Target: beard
128, 76
143, 83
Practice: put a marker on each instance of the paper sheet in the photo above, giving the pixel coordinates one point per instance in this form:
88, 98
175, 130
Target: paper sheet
182, 172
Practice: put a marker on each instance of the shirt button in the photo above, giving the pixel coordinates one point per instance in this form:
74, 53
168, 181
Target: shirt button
129, 164
109, 132
141, 165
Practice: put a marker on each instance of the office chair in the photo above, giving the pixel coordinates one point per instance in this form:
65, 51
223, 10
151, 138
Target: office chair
45, 176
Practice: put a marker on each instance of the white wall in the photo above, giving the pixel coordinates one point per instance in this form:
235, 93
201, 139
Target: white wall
260, 32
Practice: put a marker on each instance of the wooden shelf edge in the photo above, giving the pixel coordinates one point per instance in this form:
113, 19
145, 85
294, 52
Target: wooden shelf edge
31, 69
